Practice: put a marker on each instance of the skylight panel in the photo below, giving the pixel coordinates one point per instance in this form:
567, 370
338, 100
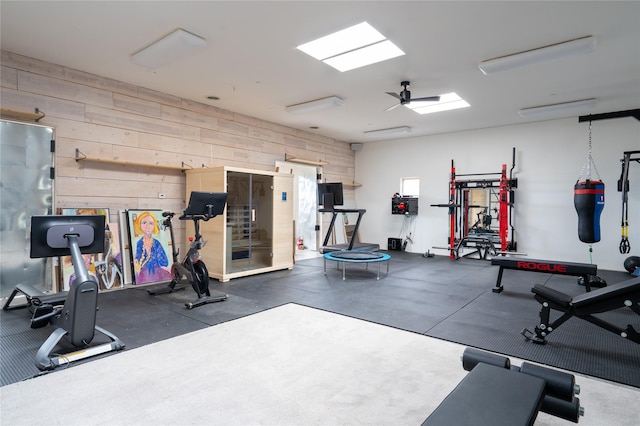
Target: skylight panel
342, 41
351, 48
366, 56
447, 102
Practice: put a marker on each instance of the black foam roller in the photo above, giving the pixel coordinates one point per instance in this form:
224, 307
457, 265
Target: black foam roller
567, 410
559, 384
471, 357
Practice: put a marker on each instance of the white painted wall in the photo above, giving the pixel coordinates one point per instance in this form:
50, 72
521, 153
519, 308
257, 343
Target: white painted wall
549, 158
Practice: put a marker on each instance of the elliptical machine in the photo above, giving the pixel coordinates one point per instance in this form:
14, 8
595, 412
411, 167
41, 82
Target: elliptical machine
202, 206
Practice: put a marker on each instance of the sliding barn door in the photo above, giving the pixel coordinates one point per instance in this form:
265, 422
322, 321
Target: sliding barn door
26, 189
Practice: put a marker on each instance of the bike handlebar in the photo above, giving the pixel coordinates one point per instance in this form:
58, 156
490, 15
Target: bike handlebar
204, 217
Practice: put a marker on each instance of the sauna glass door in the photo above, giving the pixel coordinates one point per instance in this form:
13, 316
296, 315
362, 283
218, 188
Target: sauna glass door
249, 221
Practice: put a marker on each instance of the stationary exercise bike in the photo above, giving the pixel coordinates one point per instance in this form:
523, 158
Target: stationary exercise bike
74, 317
202, 206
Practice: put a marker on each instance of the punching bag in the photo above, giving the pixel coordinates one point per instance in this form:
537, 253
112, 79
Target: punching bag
588, 198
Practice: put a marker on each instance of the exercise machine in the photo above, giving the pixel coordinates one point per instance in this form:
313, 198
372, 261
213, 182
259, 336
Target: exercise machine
623, 186
585, 306
331, 195
483, 240
34, 298
353, 243
202, 206
523, 392
75, 318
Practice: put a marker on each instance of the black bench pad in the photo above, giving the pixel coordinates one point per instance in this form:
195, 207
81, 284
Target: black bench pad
583, 270
546, 266
34, 297
552, 295
597, 301
491, 396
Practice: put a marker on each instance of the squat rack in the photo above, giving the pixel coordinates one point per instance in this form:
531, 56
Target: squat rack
486, 241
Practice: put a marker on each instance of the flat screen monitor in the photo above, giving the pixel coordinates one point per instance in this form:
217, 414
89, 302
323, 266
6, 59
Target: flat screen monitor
334, 189
209, 204
49, 234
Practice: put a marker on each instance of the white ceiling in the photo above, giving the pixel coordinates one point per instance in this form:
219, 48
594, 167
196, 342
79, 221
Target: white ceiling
251, 62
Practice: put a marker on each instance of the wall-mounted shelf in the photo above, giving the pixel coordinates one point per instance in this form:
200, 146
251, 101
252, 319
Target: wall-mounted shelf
352, 184
81, 157
11, 114
304, 161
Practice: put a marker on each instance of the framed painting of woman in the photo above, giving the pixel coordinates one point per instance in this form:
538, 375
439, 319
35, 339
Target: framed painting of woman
150, 251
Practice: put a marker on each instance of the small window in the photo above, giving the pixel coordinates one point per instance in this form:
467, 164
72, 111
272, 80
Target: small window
410, 187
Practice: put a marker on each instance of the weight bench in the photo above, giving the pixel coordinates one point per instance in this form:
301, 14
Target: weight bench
34, 298
583, 270
584, 306
495, 393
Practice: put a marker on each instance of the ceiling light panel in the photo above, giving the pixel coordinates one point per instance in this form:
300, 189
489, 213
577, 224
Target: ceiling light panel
554, 52
177, 45
383, 133
448, 101
557, 110
352, 48
316, 105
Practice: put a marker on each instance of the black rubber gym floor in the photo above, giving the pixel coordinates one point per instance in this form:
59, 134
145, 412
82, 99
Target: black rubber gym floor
437, 297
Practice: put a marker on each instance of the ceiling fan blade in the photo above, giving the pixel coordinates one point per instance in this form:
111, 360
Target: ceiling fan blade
392, 107
395, 95
427, 99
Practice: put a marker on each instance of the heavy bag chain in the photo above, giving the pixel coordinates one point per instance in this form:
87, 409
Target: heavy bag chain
587, 165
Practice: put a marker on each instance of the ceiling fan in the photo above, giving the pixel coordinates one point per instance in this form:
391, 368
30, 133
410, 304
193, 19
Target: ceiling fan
405, 97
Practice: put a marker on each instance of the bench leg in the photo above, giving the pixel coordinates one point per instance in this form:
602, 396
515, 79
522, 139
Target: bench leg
499, 287
7, 304
545, 327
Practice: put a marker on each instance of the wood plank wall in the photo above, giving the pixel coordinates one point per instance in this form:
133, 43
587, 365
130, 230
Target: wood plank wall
109, 119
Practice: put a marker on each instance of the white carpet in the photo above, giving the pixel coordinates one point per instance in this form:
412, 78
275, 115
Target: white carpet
290, 365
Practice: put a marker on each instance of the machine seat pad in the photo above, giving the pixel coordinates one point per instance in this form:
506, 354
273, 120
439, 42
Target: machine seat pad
552, 295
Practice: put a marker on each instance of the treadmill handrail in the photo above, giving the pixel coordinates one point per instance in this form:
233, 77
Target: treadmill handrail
333, 222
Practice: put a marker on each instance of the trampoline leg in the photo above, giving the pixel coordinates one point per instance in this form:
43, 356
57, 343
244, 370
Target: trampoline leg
344, 268
378, 270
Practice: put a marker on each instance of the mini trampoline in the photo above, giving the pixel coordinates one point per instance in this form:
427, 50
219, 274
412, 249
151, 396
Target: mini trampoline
356, 256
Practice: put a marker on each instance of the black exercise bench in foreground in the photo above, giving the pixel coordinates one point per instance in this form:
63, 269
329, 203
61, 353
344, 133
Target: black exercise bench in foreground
496, 393
34, 298
583, 270
584, 306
